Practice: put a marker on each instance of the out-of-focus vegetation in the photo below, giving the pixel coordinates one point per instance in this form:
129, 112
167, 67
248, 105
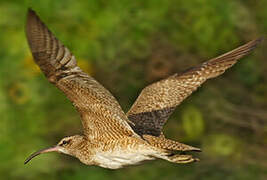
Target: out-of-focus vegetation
126, 45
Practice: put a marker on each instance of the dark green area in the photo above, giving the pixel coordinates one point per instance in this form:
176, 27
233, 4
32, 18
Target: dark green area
126, 45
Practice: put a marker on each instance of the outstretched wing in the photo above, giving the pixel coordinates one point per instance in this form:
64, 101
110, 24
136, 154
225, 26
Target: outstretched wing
157, 101
102, 116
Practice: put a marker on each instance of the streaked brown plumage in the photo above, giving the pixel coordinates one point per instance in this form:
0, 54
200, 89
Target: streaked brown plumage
113, 139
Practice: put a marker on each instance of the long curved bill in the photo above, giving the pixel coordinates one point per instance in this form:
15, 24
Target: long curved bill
46, 150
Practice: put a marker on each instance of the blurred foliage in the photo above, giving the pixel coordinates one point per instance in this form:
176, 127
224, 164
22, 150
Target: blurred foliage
193, 123
126, 45
221, 145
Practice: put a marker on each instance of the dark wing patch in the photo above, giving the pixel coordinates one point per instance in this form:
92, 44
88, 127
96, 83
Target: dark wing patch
150, 122
157, 101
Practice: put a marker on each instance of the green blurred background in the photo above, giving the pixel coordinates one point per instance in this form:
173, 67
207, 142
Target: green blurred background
126, 45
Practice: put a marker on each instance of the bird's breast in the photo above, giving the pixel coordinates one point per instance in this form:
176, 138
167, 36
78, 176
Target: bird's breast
120, 158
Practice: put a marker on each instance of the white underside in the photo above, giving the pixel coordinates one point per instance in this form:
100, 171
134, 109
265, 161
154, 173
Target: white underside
119, 159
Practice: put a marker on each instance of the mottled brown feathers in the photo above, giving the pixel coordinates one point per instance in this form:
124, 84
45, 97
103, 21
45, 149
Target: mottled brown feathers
102, 116
157, 101
163, 143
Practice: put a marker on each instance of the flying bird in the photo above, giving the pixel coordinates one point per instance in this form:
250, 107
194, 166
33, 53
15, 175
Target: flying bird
111, 138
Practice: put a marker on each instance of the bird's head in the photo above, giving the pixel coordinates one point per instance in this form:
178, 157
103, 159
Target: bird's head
68, 145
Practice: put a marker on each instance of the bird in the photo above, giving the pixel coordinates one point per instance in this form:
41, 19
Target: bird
111, 138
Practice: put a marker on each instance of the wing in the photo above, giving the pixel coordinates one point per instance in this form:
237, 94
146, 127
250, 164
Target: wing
157, 101
101, 114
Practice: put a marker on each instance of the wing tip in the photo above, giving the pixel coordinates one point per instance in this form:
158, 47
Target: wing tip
31, 13
259, 40
30, 10
31, 25
31, 16
253, 44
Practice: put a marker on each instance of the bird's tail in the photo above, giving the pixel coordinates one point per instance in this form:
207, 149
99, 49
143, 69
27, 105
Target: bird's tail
167, 144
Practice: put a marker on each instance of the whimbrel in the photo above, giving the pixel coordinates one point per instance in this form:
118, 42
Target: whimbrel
111, 138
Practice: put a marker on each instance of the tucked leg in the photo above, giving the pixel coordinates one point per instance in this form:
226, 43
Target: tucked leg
177, 158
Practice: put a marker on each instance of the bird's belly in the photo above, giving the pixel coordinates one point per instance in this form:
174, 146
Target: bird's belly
119, 159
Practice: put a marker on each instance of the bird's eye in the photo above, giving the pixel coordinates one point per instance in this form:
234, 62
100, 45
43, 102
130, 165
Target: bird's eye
65, 142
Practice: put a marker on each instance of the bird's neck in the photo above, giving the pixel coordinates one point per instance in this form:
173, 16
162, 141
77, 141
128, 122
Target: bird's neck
84, 151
